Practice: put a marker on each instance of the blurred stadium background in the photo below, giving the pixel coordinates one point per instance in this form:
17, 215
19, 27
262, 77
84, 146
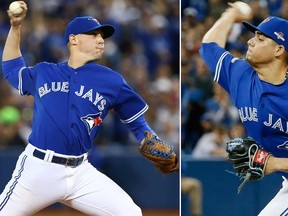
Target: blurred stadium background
145, 50
208, 118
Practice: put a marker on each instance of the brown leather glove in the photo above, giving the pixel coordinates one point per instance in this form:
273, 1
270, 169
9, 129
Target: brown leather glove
160, 154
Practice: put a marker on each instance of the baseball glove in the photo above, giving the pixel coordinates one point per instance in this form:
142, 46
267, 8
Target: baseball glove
249, 160
160, 154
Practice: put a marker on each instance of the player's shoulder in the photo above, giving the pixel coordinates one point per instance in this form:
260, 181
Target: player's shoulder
215, 50
45, 64
224, 54
240, 63
209, 46
107, 71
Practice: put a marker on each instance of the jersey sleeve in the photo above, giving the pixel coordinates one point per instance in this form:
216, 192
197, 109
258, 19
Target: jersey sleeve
227, 69
138, 127
129, 105
19, 75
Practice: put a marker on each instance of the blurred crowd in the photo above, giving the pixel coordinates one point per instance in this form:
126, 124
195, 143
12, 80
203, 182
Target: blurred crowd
145, 50
208, 117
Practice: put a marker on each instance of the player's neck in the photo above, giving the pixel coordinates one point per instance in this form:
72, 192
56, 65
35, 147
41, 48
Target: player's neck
80, 59
274, 74
76, 62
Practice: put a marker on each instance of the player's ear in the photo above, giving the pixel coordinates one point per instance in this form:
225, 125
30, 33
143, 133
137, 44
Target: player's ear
280, 49
72, 39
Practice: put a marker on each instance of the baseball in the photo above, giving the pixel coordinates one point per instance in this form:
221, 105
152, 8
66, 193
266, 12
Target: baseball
15, 8
244, 8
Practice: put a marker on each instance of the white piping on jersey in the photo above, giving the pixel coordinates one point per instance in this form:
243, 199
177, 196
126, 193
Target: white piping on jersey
234, 60
20, 81
135, 116
218, 66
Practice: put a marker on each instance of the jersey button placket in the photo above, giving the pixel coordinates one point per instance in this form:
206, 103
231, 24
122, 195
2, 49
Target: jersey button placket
262, 103
261, 113
74, 79
72, 106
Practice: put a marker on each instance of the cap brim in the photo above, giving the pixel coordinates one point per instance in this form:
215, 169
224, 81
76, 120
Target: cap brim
250, 27
108, 30
253, 28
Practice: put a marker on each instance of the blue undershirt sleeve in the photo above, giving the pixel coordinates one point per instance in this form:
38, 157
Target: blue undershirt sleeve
138, 126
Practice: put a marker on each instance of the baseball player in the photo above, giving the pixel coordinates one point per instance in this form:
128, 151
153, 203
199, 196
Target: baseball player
258, 86
71, 99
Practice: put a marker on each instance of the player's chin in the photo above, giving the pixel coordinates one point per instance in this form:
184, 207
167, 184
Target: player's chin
248, 56
250, 60
97, 56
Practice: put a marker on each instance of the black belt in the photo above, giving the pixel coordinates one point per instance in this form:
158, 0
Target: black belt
70, 161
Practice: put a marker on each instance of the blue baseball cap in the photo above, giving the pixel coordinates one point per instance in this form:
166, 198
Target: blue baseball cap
273, 27
85, 24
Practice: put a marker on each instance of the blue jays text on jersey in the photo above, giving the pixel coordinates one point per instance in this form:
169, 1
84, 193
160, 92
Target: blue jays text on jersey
93, 97
70, 104
262, 106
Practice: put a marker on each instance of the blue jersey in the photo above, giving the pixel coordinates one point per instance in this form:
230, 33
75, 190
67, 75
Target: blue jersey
70, 104
262, 106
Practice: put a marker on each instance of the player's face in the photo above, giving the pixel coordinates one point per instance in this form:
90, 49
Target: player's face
91, 44
260, 50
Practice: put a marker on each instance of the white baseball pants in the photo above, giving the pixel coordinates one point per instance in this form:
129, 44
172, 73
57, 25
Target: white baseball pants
278, 206
36, 184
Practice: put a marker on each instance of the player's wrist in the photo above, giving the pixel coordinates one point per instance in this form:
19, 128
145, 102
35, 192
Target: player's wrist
15, 28
272, 165
229, 16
